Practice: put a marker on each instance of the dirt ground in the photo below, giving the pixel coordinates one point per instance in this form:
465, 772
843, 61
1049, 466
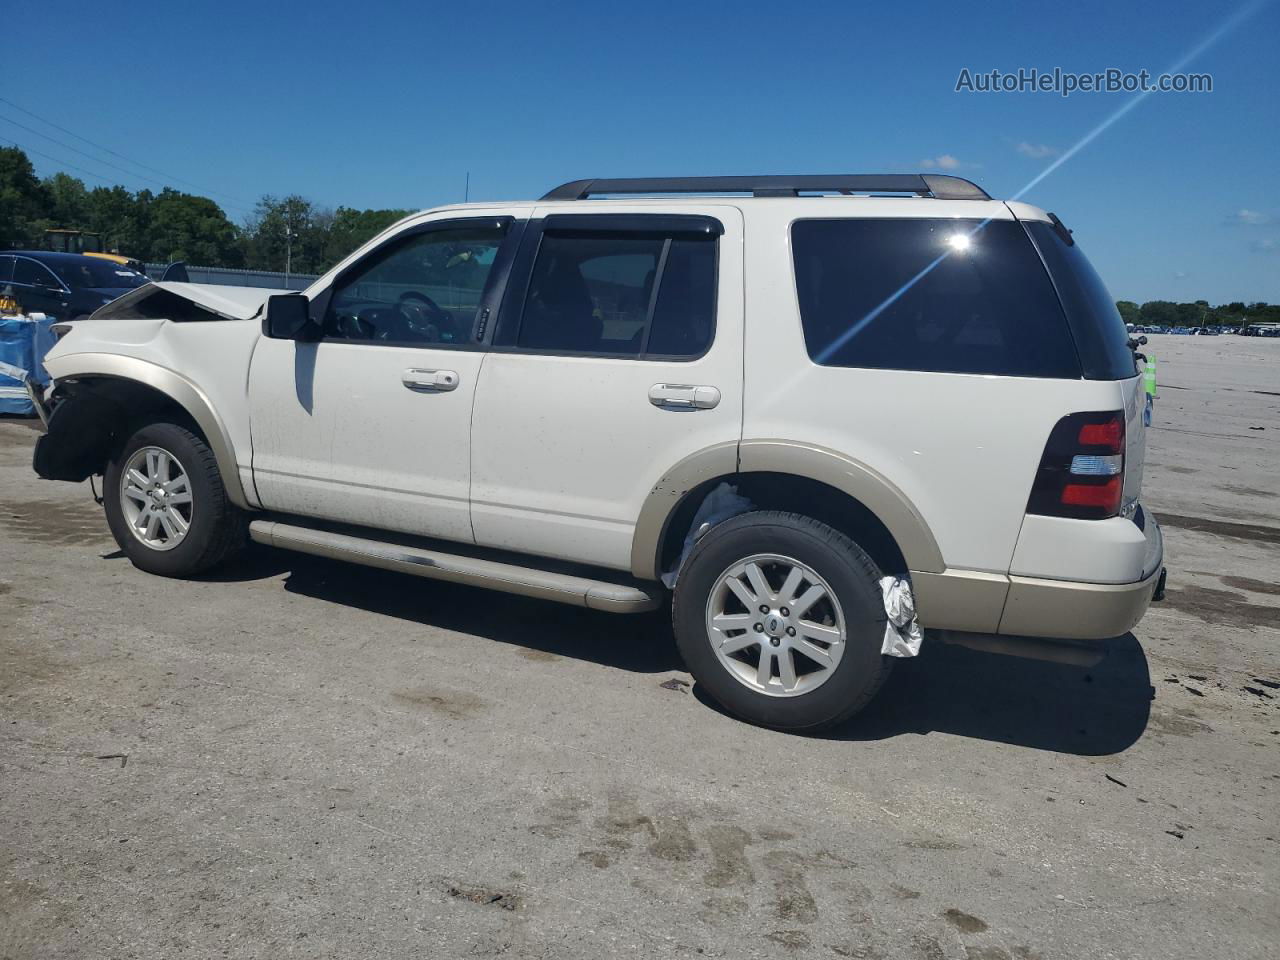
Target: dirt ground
299, 758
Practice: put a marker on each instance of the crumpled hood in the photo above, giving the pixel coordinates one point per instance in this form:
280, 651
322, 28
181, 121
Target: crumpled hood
230, 303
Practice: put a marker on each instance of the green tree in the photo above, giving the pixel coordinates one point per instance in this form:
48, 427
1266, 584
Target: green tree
68, 201
1129, 311
1189, 314
287, 232
1160, 311
352, 228
122, 219
24, 201
191, 228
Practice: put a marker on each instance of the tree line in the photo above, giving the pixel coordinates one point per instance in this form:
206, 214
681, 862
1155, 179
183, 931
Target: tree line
1166, 313
171, 225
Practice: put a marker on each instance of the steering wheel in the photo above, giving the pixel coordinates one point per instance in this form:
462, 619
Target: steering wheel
426, 317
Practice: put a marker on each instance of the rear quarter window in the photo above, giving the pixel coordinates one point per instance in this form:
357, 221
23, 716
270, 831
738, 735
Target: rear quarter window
1096, 325
945, 296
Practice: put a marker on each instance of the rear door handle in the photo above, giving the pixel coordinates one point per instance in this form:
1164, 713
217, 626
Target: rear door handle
430, 381
683, 396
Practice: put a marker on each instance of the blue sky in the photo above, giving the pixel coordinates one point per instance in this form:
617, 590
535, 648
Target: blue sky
387, 104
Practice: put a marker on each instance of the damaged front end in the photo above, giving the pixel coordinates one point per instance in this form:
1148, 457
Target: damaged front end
163, 351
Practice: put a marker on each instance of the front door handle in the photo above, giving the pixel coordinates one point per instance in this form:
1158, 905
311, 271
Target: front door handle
683, 396
430, 381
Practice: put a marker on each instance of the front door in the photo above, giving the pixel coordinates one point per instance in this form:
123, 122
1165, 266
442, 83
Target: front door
38, 290
371, 425
618, 354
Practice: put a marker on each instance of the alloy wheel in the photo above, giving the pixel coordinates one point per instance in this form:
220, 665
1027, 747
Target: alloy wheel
155, 496
775, 625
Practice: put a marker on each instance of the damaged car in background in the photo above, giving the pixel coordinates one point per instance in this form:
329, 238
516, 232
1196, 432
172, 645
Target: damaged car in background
819, 415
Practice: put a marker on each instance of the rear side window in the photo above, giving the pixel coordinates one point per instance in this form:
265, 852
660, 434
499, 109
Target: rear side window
1096, 324
622, 294
947, 296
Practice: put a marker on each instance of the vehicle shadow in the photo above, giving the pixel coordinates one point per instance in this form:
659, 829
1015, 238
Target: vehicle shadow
1093, 711
641, 643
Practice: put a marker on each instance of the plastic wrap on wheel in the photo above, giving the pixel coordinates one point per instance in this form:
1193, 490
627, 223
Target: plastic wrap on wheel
902, 632
718, 506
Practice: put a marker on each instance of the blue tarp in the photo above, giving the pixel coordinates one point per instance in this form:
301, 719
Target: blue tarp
23, 343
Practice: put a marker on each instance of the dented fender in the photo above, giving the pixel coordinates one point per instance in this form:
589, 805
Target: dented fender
63, 452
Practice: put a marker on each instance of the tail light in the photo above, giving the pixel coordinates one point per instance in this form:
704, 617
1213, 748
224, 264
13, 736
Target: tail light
1081, 474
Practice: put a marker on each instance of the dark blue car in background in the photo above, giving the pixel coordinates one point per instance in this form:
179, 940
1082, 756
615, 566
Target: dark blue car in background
64, 285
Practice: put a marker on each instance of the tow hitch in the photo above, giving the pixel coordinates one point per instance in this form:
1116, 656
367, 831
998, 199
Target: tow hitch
1158, 595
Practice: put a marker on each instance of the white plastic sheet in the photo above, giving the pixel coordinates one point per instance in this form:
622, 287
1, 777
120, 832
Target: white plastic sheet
718, 506
902, 632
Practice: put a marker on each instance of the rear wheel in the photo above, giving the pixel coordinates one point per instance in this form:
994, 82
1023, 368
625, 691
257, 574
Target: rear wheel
780, 618
166, 505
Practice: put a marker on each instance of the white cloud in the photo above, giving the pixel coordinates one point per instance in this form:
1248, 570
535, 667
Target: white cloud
1267, 245
1036, 151
1252, 218
943, 161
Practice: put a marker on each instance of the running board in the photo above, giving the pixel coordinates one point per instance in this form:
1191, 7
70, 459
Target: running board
473, 571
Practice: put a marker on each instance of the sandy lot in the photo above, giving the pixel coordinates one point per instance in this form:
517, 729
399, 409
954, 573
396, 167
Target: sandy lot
299, 758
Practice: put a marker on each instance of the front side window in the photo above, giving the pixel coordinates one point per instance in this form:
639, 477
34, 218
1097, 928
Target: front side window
620, 294
947, 296
424, 289
32, 274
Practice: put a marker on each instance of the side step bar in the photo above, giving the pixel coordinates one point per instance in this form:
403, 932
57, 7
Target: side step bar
436, 565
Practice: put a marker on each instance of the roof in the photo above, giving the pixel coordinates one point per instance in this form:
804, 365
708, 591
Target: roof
939, 186
48, 256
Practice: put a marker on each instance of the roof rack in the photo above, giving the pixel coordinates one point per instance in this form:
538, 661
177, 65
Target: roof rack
924, 184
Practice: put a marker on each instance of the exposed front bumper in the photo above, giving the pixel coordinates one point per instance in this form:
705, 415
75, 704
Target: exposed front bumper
1084, 611
36, 393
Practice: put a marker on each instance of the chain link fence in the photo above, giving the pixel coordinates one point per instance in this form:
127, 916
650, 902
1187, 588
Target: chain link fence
239, 278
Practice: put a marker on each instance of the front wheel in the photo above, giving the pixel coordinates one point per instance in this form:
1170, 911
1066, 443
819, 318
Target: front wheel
166, 505
780, 618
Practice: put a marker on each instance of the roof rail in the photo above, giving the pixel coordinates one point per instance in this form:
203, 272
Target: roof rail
924, 184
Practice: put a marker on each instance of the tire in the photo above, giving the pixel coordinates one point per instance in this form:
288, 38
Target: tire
215, 527
820, 698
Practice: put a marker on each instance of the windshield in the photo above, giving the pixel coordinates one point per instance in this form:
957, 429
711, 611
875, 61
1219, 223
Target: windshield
90, 272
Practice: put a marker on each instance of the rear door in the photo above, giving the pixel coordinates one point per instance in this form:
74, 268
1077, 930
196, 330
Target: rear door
618, 353
372, 424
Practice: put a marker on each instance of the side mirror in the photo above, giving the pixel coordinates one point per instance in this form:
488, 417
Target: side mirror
289, 318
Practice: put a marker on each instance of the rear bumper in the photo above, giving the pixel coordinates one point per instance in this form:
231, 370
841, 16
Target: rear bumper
1022, 606
1085, 611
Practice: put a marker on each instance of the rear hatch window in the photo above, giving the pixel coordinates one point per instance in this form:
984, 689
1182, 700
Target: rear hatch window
1096, 326
940, 295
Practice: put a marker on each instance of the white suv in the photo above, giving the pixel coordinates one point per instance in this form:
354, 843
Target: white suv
800, 402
